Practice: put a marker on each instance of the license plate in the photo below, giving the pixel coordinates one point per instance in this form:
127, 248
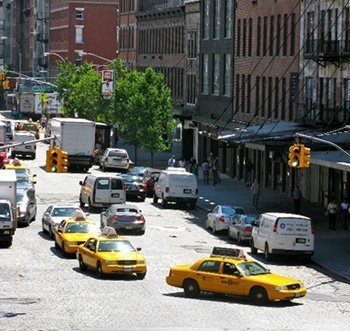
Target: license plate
115, 195
127, 269
128, 227
28, 147
187, 191
301, 241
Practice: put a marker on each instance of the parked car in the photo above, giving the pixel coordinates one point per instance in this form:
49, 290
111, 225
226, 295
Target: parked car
241, 227
54, 214
124, 217
114, 158
134, 186
26, 202
283, 233
221, 216
150, 177
138, 171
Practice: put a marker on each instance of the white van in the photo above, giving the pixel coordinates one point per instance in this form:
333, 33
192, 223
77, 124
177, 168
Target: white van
282, 233
101, 191
176, 185
24, 150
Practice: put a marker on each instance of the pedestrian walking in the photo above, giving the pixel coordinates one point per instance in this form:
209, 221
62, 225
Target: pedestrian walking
182, 163
215, 171
172, 161
210, 160
248, 172
205, 170
255, 189
332, 210
344, 210
296, 196
194, 167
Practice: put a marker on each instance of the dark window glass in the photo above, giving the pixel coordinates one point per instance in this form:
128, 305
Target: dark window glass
257, 95
276, 111
293, 35
243, 95
265, 37
269, 110
285, 35
258, 40
278, 35
249, 92
272, 35
250, 37
237, 93
210, 266
263, 96
244, 47
103, 184
283, 103
238, 51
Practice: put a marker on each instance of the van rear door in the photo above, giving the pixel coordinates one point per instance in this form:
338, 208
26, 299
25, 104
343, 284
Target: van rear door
294, 234
118, 194
102, 190
183, 185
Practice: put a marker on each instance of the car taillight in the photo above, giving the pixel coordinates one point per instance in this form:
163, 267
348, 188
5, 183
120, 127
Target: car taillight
248, 230
114, 218
142, 218
167, 189
275, 226
124, 187
222, 219
144, 186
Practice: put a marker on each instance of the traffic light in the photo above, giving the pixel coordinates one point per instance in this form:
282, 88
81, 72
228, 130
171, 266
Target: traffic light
6, 85
294, 156
2, 76
51, 159
62, 161
305, 157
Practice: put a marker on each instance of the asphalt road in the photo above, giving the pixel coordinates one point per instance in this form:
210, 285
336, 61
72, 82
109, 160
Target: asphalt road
40, 289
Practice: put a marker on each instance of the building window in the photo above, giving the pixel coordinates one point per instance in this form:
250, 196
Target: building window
265, 37
191, 89
238, 46
192, 44
347, 30
228, 75
292, 35
258, 40
257, 95
228, 18
206, 8
309, 32
285, 35
237, 93
250, 37
79, 13
278, 35
263, 96
205, 74
216, 74
269, 103
309, 96
272, 36
243, 94
277, 97
284, 98
217, 18
347, 94
244, 47
79, 34
249, 93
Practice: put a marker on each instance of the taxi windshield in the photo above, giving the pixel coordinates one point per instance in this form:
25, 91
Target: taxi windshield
115, 246
81, 228
63, 212
21, 171
28, 126
252, 269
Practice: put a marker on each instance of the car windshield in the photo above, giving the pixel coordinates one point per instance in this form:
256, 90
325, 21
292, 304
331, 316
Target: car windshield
21, 171
63, 211
117, 154
31, 127
252, 269
115, 246
131, 178
249, 219
230, 210
137, 171
81, 228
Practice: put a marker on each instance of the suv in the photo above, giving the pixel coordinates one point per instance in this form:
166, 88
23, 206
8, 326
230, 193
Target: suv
114, 158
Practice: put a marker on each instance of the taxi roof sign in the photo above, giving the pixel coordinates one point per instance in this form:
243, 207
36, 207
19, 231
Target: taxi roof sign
109, 232
228, 252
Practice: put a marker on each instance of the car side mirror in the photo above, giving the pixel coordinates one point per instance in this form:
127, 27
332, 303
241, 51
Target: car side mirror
34, 175
60, 230
80, 183
138, 249
34, 183
237, 274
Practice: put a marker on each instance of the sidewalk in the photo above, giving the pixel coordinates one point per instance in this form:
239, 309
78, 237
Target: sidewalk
332, 248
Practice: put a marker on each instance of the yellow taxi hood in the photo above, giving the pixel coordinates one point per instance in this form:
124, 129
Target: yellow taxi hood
120, 256
76, 236
273, 279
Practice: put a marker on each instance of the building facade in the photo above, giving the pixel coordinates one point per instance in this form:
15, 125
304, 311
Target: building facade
85, 25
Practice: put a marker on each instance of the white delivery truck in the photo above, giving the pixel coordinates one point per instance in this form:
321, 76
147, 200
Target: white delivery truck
76, 136
2, 133
8, 208
23, 150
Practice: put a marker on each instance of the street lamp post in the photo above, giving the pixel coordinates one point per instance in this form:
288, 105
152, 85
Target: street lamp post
82, 53
55, 54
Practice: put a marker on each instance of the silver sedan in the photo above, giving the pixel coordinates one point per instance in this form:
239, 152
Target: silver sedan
124, 217
221, 216
54, 214
241, 228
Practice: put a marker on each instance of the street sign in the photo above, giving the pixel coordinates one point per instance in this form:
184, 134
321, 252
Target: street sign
41, 89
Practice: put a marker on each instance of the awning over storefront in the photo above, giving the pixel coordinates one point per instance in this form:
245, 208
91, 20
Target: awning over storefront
332, 159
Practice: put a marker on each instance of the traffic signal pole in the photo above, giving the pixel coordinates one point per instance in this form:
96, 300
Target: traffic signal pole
30, 142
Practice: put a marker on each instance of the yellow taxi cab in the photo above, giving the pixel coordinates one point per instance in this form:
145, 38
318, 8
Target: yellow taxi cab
30, 126
228, 271
21, 169
72, 232
109, 253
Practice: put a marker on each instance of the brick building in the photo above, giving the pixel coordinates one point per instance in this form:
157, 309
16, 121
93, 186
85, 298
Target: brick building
83, 25
161, 33
127, 32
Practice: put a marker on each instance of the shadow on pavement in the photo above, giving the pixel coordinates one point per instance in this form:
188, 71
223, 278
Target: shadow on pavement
92, 274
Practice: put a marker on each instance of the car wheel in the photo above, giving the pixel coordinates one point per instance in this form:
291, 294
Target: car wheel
191, 288
258, 295
99, 269
142, 232
82, 265
141, 276
57, 246
143, 198
104, 168
27, 222
164, 202
155, 199
192, 206
81, 203
239, 240
252, 248
267, 253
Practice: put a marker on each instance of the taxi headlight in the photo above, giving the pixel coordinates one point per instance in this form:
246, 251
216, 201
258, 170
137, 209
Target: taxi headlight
111, 262
141, 261
69, 243
281, 288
